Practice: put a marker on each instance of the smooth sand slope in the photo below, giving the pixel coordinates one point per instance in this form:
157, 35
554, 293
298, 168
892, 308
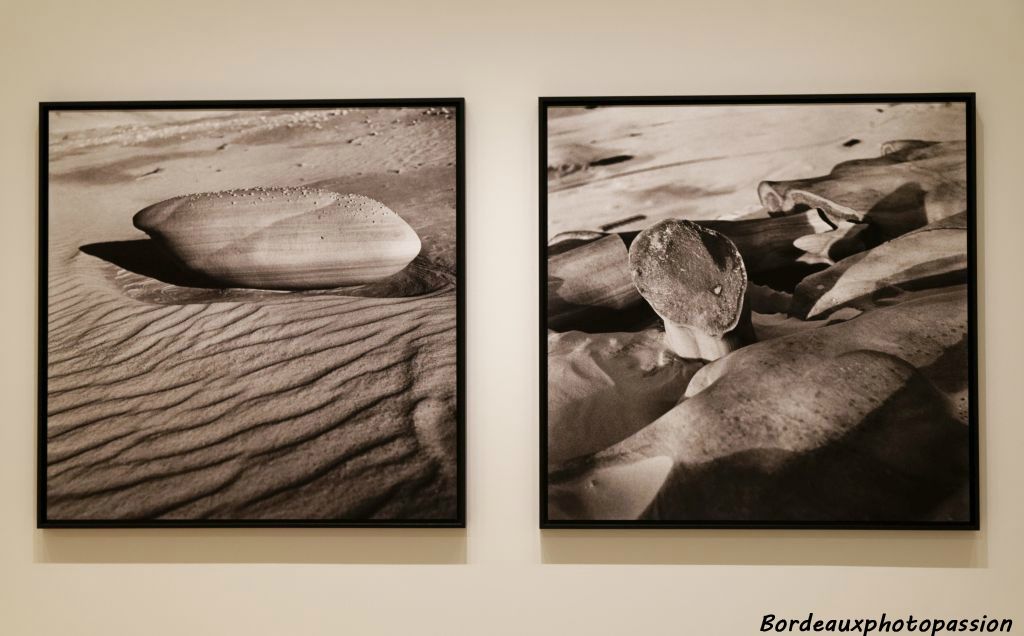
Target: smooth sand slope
172, 399
609, 165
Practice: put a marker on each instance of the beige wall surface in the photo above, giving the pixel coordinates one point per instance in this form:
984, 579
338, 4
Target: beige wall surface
502, 575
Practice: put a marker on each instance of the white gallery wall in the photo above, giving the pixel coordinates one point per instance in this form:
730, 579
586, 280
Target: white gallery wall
502, 575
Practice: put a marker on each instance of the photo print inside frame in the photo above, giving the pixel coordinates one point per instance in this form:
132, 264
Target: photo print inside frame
758, 312
252, 313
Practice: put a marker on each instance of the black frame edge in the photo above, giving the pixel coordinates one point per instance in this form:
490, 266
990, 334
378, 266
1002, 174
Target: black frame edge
42, 231
968, 98
43, 522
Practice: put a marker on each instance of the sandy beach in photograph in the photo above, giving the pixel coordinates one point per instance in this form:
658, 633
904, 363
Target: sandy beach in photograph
170, 398
611, 164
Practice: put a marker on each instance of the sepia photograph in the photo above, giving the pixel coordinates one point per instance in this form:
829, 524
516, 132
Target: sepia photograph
758, 312
251, 313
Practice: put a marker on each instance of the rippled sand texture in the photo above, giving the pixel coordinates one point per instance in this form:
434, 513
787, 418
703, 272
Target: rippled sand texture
171, 400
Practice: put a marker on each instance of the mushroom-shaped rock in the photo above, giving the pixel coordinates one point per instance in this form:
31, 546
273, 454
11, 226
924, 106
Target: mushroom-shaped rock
695, 279
282, 238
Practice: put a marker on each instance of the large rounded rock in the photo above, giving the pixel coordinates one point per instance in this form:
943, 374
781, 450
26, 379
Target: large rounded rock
855, 422
282, 238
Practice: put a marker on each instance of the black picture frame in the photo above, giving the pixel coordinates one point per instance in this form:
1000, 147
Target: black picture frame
965, 98
457, 105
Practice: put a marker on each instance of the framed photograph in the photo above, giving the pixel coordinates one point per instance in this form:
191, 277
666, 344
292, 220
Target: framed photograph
758, 312
251, 313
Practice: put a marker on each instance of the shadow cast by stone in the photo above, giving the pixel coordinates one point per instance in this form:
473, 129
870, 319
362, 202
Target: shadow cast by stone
147, 260
146, 257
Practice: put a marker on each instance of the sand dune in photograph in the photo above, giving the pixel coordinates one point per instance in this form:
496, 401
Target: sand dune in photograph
171, 396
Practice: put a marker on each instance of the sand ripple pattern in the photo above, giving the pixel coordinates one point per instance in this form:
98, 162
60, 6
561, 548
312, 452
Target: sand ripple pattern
313, 406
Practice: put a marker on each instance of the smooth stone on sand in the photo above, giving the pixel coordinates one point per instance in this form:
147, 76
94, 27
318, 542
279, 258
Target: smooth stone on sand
282, 238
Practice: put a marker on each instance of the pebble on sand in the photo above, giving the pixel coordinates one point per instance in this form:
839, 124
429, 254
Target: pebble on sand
282, 238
